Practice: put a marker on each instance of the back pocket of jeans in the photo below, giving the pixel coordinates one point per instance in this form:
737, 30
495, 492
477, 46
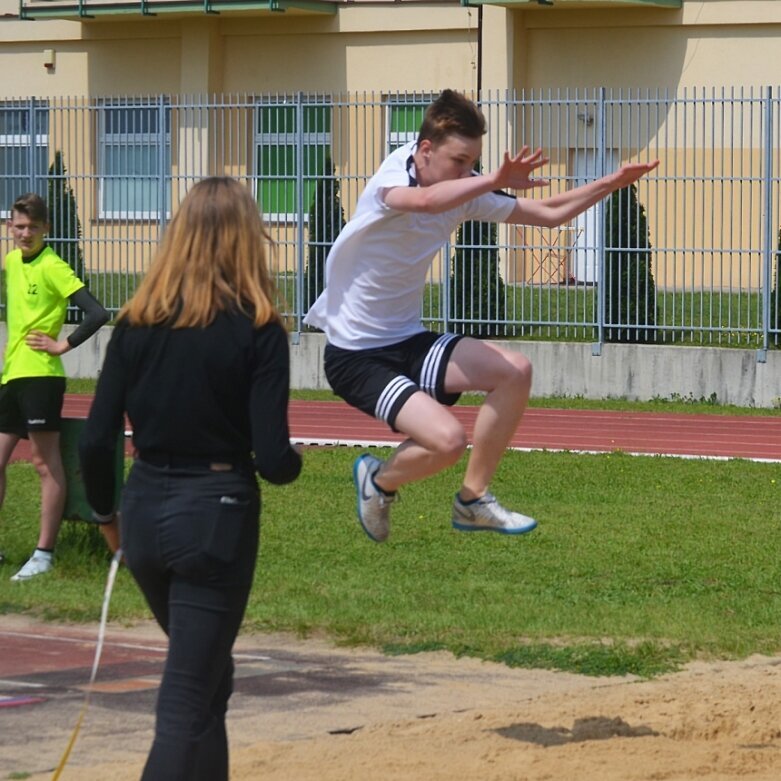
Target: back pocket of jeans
230, 528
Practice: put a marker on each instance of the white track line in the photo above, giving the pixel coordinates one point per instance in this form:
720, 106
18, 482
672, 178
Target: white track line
334, 442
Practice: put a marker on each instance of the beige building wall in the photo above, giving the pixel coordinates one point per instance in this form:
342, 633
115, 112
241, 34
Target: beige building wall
376, 47
731, 44
412, 46
362, 48
706, 42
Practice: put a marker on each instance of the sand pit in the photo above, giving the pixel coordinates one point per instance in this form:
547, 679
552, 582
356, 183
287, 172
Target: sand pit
430, 717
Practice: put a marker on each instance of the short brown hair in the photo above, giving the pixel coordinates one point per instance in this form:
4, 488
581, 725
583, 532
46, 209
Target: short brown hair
451, 114
32, 206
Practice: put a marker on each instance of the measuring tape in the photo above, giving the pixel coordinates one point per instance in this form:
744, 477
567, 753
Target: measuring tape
112, 576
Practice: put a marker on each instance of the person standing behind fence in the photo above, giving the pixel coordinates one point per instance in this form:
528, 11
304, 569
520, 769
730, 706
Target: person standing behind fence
378, 355
199, 360
39, 286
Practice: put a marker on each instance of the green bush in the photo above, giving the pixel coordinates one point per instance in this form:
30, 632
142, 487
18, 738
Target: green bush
631, 292
326, 220
64, 225
775, 310
477, 290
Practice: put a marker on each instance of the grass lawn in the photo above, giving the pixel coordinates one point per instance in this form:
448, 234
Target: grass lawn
639, 563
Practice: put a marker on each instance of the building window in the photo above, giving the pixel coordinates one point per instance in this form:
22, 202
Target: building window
404, 116
292, 142
135, 160
24, 151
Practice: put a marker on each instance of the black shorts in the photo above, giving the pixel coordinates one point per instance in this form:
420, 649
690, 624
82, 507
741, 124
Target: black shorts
31, 404
379, 381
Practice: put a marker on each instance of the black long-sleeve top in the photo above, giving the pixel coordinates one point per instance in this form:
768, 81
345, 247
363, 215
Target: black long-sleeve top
219, 393
94, 316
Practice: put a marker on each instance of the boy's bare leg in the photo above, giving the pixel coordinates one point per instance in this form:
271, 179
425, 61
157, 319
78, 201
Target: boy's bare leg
506, 378
436, 438
436, 441
7, 444
46, 458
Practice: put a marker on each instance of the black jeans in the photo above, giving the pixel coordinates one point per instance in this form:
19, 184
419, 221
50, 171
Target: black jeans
190, 539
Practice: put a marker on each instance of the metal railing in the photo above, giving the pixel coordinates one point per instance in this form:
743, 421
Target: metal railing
690, 256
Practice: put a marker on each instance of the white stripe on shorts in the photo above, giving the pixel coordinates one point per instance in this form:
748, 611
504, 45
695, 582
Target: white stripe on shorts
389, 396
431, 364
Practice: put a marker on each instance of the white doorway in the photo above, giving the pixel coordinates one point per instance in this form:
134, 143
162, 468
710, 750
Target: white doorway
584, 265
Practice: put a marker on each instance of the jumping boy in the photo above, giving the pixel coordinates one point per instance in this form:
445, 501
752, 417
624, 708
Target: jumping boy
378, 355
39, 285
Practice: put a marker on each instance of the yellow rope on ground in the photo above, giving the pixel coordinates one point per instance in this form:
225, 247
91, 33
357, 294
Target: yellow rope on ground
112, 576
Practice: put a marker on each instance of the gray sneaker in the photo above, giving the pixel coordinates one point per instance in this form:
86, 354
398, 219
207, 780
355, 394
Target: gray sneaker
486, 514
37, 564
373, 504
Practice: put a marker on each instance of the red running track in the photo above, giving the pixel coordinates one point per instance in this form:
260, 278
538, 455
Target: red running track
598, 431
593, 431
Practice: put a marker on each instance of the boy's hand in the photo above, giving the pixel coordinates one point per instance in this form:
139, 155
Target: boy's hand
631, 172
38, 340
515, 172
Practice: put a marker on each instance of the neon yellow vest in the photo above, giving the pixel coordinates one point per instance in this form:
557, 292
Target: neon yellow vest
37, 295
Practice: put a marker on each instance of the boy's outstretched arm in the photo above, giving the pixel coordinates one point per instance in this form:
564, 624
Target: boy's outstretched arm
558, 209
514, 173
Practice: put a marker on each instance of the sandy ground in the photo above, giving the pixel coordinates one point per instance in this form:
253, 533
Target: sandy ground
717, 722
429, 717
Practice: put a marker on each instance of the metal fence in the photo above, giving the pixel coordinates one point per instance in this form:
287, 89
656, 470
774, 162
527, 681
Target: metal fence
690, 255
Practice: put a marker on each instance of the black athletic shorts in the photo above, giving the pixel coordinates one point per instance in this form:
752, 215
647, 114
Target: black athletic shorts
31, 404
379, 381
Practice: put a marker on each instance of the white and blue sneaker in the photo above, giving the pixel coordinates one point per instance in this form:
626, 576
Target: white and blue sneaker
486, 514
38, 564
373, 504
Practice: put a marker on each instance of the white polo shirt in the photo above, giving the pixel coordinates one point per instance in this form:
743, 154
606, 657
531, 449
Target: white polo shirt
376, 270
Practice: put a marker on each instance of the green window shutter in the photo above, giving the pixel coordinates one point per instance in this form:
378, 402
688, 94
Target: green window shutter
277, 158
404, 121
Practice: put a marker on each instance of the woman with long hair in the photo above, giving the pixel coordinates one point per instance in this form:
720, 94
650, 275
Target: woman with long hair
199, 362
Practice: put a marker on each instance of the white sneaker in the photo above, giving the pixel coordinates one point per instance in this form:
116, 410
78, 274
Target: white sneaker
486, 514
37, 564
373, 504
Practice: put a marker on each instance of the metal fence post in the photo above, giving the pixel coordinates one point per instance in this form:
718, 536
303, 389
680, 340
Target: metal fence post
162, 210
31, 148
767, 220
300, 217
596, 349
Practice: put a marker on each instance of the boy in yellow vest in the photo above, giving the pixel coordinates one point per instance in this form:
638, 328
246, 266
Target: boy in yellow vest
39, 286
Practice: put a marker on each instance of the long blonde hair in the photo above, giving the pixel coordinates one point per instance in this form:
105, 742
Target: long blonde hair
212, 258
